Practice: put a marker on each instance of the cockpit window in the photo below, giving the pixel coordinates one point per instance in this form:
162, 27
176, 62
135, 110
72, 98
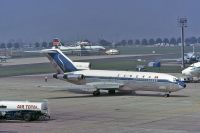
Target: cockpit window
175, 79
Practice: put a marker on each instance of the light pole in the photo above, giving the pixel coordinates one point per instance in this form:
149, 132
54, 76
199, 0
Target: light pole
182, 23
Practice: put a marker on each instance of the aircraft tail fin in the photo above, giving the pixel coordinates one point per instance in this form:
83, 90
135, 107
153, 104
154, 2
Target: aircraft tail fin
60, 61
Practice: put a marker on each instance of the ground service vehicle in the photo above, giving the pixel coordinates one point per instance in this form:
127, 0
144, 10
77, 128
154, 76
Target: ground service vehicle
23, 110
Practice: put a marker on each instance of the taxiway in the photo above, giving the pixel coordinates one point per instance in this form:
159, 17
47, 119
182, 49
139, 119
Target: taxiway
83, 113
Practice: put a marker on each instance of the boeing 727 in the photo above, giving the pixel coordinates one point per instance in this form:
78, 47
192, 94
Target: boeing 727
111, 80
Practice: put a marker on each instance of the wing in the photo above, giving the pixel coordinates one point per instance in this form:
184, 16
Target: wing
106, 85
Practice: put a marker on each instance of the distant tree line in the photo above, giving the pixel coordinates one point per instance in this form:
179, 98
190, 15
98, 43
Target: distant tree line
151, 41
106, 43
17, 45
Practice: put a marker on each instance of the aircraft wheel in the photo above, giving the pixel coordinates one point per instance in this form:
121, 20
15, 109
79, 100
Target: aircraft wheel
96, 93
111, 92
167, 95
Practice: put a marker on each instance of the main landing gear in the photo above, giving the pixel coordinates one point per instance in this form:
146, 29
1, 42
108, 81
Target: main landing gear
111, 92
96, 93
167, 94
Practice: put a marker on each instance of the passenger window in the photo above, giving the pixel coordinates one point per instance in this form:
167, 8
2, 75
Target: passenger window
174, 79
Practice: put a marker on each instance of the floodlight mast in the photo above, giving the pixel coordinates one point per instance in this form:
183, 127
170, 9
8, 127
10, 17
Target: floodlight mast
182, 24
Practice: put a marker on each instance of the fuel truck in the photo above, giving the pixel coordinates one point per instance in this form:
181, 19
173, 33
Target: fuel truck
24, 110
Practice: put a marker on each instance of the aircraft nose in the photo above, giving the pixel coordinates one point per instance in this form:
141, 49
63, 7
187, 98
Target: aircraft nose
182, 84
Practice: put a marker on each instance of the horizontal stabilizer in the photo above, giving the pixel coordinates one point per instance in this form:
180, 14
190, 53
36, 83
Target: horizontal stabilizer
42, 51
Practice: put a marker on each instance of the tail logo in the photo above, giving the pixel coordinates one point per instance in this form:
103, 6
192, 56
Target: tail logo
63, 65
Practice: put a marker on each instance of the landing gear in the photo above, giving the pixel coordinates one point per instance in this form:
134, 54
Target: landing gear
96, 93
133, 92
111, 92
167, 94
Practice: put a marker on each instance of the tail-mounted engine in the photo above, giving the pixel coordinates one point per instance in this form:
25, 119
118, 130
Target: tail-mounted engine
74, 78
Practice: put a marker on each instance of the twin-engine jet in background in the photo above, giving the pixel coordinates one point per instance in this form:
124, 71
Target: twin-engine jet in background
81, 48
109, 80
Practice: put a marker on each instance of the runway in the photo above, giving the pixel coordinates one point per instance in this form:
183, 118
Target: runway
83, 113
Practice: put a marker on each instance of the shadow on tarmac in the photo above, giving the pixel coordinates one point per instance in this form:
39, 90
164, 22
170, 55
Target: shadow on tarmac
115, 95
8, 132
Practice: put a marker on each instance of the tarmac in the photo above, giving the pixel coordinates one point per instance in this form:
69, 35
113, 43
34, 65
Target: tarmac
83, 113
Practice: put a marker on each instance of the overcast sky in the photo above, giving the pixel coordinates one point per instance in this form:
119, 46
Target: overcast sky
35, 20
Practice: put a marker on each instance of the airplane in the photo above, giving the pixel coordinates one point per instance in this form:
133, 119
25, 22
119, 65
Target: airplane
81, 48
4, 58
193, 70
111, 80
191, 57
112, 52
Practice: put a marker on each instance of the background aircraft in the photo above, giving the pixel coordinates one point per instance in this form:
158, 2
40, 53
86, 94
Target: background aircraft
4, 58
191, 57
193, 70
80, 48
111, 80
112, 52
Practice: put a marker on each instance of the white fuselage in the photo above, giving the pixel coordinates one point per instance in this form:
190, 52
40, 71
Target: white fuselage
112, 52
143, 81
111, 80
193, 70
80, 48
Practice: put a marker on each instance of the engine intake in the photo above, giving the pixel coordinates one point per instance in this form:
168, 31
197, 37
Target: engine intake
73, 77
55, 76
58, 76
